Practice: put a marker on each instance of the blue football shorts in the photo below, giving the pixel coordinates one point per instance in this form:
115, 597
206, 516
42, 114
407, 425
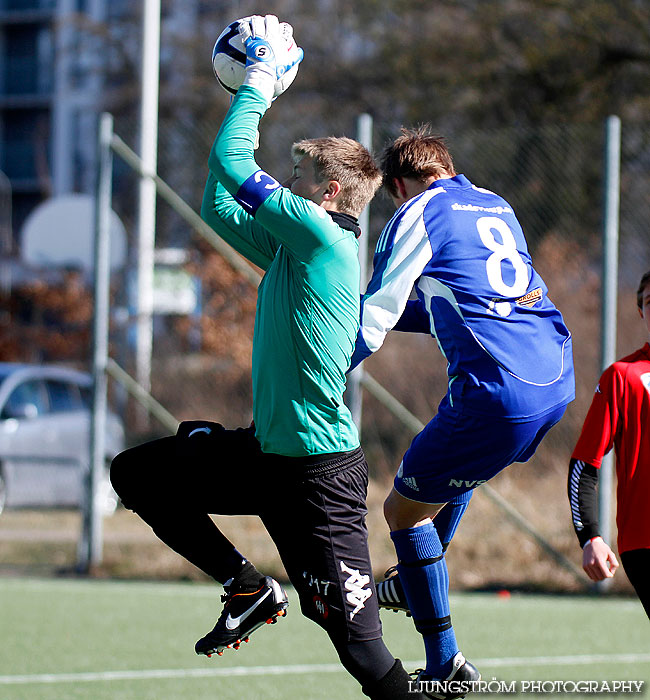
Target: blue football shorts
456, 452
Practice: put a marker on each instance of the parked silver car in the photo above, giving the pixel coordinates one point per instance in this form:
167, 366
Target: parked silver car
44, 437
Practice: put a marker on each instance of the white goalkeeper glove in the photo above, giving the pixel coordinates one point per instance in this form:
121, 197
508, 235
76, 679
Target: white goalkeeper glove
271, 53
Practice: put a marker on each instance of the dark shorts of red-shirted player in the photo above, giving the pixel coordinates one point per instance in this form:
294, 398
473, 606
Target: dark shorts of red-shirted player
636, 563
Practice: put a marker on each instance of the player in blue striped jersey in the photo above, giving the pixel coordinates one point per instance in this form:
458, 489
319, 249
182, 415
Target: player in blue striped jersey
508, 353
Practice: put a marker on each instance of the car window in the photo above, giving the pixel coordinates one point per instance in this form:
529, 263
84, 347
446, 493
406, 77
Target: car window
26, 400
63, 396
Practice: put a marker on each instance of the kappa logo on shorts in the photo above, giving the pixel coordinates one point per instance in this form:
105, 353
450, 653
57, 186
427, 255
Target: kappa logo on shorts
356, 584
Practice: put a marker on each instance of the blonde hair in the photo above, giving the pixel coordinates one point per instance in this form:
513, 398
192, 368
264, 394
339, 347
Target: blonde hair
417, 154
346, 161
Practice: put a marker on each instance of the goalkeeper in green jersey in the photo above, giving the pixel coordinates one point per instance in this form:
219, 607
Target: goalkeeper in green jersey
299, 466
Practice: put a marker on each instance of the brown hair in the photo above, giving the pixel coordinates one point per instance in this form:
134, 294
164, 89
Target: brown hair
346, 161
417, 154
645, 281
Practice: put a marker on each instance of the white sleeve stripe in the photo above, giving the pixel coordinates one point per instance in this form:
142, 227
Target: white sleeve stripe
575, 482
385, 234
406, 215
411, 251
394, 222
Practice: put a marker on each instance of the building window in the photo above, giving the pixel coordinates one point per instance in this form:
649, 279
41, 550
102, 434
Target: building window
27, 4
28, 64
26, 135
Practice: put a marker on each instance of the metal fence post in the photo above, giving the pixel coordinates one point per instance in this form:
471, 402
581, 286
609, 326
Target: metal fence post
354, 398
146, 225
609, 304
93, 515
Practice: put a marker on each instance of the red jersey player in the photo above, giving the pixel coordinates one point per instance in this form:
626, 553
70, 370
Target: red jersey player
619, 416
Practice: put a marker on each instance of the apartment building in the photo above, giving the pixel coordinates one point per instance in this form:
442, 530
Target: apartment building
50, 87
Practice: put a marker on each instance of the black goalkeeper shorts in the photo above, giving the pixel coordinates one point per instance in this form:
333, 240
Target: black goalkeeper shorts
313, 507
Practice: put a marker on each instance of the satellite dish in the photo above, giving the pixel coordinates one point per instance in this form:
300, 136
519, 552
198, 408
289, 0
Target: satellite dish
61, 233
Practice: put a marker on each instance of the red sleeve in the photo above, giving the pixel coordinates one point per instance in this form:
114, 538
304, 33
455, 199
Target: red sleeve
601, 423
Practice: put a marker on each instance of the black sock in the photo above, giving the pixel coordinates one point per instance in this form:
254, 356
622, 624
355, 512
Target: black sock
367, 661
248, 579
395, 685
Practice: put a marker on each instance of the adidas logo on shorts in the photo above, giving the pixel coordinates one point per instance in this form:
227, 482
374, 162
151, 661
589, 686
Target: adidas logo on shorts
410, 482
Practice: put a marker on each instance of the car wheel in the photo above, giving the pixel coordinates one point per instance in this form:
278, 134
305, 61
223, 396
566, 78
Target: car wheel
3, 491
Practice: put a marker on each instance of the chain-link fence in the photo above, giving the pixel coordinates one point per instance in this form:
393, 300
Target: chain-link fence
553, 177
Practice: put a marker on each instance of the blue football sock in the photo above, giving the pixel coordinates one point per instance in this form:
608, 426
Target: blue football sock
448, 518
423, 572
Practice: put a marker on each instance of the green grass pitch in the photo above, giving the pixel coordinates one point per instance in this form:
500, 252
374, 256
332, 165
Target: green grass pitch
95, 640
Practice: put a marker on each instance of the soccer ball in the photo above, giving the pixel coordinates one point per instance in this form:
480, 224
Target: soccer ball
229, 60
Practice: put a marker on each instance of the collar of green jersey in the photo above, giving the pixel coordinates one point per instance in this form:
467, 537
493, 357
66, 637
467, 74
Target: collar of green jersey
346, 221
